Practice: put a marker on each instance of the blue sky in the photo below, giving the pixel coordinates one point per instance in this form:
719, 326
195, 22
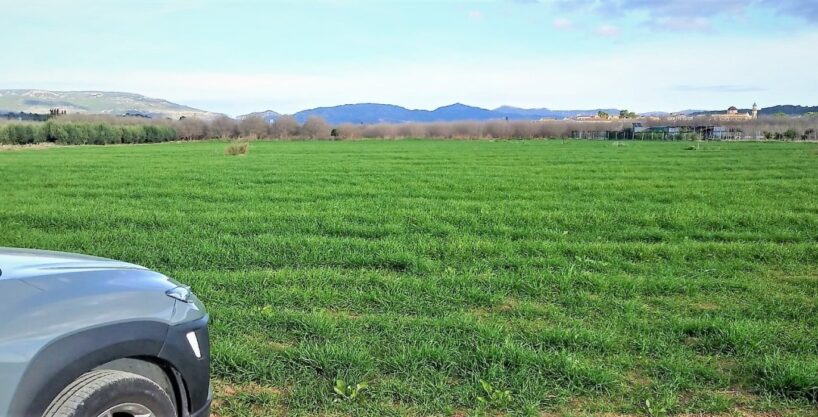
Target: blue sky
247, 55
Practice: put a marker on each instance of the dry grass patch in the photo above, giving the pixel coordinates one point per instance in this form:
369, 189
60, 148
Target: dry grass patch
342, 314
237, 148
706, 306
509, 304
33, 146
280, 346
638, 379
246, 400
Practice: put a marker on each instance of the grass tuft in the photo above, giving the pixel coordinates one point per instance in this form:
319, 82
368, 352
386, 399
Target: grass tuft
237, 148
787, 376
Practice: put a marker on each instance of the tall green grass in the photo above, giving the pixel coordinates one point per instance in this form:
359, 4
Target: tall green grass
581, 277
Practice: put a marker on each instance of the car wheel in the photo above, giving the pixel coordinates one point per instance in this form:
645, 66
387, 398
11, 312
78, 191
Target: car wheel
106, 393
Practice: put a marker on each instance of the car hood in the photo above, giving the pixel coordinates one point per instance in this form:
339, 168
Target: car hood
27, 263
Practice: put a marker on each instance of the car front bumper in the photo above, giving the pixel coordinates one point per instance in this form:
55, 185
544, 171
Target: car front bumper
205, 411
193, 369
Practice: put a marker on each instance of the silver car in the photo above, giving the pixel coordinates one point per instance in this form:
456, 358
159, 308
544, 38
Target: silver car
82, 336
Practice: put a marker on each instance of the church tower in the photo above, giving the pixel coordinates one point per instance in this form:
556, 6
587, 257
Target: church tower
755, 111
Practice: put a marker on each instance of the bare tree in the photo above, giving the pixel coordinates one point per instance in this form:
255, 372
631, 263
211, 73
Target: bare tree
499, 129
349, 131
224, 127
410, 130
254, 127
381, 130
191, 129
284, 127
437, 130
315, 128
467, 130
524, 129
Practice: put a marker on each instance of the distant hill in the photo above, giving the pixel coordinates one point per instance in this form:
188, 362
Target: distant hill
551, 114
369, 113
521, 111
788, 109
366, 113
460, 111
94, 102
664, 113
268, 115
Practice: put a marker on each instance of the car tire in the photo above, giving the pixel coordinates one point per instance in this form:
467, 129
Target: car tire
109, 393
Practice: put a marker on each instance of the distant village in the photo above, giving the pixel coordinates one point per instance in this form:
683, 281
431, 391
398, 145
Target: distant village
732, 115
709, 126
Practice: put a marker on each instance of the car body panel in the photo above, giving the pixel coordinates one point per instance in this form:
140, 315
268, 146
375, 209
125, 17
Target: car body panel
20, 263
15, 353
63, 314
177, 350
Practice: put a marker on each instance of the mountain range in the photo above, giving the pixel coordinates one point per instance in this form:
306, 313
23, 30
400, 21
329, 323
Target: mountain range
118, 103
94, 102
368, 113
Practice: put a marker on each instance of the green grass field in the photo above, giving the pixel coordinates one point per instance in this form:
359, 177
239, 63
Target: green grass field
585, 278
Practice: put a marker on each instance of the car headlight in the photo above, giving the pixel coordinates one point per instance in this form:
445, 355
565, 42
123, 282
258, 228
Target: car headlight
181, 293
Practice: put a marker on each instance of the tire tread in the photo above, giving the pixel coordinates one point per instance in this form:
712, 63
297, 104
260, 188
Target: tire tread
72, 397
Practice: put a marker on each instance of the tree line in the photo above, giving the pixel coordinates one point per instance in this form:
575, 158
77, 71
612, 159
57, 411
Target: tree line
101, 130
83, 133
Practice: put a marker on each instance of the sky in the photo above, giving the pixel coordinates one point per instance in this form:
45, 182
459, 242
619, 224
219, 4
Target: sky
239, 56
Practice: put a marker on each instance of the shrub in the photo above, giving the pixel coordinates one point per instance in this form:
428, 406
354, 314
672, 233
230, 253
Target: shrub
378, 131
315, 128
128, 134
254, 127
102, 134
4, 135
139, 134
24, 133
237, 148
284, 127
152, 134
55, 132
348, 131
499, 129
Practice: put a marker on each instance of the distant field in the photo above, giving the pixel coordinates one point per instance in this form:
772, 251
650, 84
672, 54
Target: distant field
583, 277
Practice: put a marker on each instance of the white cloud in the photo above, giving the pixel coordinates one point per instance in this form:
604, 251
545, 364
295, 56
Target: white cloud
682, 23
688, 15
608, 31
476, 15
563, 24
691, 15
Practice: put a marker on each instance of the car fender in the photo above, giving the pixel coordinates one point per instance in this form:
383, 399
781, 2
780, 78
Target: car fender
63, 360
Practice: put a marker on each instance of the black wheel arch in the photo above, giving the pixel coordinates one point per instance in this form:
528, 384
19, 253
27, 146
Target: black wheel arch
159, 371
62, 361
